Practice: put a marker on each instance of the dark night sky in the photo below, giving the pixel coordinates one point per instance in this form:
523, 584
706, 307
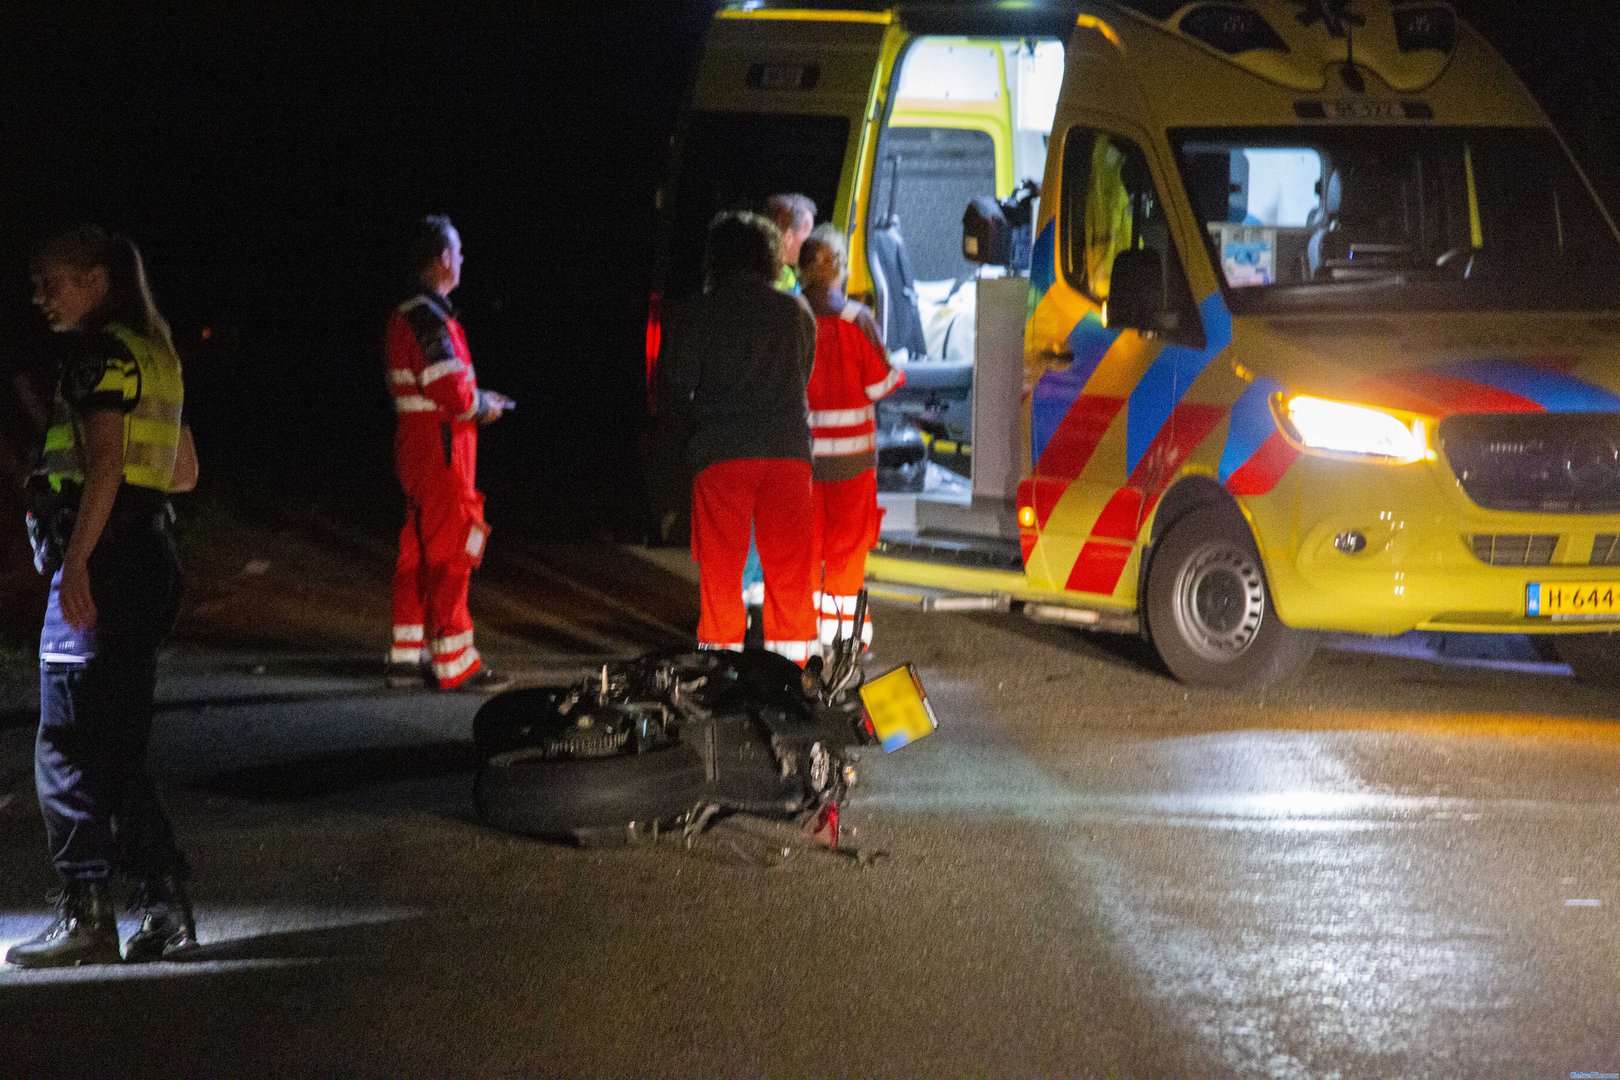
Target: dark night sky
265, 157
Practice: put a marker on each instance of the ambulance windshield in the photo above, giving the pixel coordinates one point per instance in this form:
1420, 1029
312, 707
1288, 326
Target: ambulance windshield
1407, 218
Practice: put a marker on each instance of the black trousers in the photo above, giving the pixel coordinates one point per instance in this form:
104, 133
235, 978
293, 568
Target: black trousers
102, 811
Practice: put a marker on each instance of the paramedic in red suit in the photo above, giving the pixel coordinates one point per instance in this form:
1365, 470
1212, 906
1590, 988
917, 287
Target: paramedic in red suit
734, 364
851, 374
439, 408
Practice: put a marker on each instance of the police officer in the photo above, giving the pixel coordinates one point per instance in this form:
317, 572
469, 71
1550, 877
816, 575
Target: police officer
111, 458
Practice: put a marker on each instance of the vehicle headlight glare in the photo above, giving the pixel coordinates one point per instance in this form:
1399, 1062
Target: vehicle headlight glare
1337, 427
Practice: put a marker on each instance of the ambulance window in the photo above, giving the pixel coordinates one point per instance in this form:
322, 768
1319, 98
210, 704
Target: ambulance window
1109, 205
1443, 218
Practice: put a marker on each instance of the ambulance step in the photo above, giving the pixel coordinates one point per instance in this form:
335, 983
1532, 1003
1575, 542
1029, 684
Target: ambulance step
940, 600
1117, 622
979, 552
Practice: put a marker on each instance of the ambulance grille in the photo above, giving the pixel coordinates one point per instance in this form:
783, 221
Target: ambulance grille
1606, 549
1513, 549
1558, 463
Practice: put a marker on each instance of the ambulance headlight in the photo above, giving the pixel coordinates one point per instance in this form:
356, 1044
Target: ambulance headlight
1340, 428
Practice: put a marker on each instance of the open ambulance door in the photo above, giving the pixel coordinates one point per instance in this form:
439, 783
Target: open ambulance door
967, 120
783, 102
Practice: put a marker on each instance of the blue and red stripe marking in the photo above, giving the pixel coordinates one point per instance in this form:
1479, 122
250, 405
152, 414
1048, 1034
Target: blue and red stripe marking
1161, 431
1553, 391
1042, 263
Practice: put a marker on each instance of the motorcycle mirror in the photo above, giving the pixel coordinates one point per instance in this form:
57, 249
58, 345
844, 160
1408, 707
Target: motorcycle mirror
810, 680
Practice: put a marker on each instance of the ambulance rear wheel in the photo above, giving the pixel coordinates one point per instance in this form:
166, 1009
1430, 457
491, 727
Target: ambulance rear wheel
1594, 658
1209, 609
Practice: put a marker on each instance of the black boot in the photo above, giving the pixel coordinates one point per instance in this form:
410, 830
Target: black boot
85, 931
167, 925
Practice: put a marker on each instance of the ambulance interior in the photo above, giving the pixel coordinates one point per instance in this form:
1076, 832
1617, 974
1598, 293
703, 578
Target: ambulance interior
971, 117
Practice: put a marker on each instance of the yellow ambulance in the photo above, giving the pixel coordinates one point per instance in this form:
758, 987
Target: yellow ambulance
1314, 324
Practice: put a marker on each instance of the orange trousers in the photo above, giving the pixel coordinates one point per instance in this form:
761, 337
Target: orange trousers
846, 527
771, 495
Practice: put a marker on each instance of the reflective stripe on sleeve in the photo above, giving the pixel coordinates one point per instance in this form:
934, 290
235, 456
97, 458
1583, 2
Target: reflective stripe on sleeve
402, 376
444, 367
878, 389
413, 403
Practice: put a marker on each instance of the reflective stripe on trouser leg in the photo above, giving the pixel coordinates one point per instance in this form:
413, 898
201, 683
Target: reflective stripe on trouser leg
838, 620
410, 608
799, 652
455, 660
410, 645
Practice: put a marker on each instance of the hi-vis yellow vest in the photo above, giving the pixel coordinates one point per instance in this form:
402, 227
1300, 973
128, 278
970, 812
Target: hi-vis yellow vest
143, 378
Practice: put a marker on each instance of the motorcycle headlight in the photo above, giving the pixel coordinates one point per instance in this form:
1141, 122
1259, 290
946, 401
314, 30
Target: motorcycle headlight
1340, 428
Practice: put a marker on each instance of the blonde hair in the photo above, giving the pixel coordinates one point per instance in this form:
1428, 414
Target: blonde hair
826, 237
129, 295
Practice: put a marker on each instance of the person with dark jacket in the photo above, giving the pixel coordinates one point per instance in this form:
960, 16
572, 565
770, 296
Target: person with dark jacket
736, 360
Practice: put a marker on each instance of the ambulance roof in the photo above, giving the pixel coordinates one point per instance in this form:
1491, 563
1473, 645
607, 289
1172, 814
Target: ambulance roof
1197, 57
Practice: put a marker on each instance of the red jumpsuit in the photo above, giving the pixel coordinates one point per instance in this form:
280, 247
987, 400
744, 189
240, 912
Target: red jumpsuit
850, 374
436, 397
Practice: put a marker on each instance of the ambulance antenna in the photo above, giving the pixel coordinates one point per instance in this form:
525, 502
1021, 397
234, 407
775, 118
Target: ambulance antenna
1352, 77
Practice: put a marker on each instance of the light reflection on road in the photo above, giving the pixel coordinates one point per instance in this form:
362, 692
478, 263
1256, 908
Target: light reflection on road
1295, 914
232, 939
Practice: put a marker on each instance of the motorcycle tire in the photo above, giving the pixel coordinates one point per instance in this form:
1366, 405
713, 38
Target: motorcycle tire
591, 801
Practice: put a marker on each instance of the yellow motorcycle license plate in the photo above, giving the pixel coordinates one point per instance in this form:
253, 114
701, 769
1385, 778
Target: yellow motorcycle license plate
898, 708
1572, 600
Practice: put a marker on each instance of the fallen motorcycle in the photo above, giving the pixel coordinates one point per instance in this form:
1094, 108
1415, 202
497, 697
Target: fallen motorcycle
675, 739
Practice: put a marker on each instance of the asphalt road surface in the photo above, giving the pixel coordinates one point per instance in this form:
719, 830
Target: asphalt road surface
1398, 866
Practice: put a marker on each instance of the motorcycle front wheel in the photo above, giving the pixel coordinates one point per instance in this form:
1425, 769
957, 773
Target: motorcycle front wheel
592, 801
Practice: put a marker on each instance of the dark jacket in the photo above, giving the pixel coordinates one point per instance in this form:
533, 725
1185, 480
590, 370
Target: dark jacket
736, 361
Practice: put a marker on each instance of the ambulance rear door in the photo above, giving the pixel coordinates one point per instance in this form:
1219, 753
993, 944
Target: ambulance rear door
784, 101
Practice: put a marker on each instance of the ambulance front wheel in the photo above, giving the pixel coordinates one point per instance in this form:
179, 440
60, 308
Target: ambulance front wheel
1594, 658
1209, 610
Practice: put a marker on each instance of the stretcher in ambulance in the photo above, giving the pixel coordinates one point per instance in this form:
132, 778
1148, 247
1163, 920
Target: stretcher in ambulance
1314, 325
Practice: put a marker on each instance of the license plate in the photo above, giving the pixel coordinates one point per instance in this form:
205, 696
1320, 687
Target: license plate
1573, 600
898, 708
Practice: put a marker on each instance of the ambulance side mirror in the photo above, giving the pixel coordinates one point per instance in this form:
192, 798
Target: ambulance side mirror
1136, 293
986, 236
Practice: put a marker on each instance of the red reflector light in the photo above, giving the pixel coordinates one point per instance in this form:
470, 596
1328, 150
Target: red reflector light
655, 333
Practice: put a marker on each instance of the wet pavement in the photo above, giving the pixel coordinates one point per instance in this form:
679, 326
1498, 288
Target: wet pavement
1399, 865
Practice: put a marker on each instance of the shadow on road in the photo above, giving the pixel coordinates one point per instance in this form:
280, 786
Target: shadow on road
1117, 650
321, 775
321, 943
